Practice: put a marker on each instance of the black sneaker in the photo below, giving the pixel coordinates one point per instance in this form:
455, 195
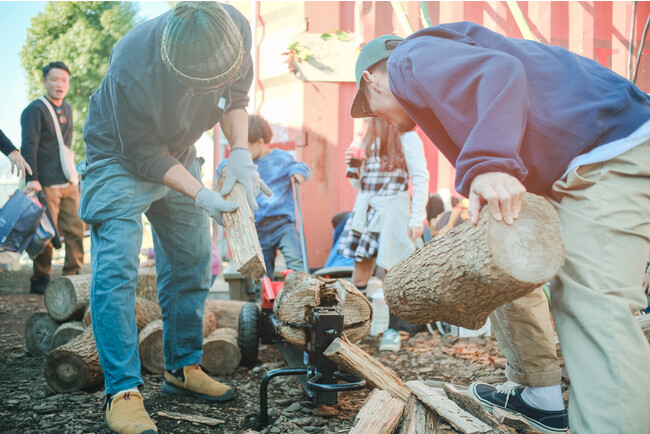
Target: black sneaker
508, 397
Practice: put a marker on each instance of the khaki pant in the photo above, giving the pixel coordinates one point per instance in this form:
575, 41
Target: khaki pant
604, 210
63, 204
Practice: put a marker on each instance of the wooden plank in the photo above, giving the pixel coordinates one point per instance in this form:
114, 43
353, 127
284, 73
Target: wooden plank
448, 409
192, 418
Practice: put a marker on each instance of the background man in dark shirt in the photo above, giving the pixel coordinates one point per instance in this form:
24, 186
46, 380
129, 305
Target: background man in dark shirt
169, 80
40, 147
516, 116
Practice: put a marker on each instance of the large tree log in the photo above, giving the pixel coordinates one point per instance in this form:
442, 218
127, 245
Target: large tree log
354, 360
67, 332
448, 409
145, 312
226, 312
150, 344
461, 277
39, 330
221, 353
302, 293
147, 285
66, 298
242, 235
75, 365
380, 414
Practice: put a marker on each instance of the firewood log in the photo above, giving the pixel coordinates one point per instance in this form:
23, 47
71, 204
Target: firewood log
221, 353
242, 235
418, 419
66, 298
302, 292
147, 285
461, 277
150, 343
380, 414
145, 312
354, 360
209, 323
67, 332
39, 330
226, 312
75, 365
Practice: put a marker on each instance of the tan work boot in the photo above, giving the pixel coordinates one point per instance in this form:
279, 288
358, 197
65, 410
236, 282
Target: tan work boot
196, 382
125, 414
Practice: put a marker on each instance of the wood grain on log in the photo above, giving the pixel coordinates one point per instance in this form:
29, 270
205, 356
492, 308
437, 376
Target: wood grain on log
380, 414
221, 354
150, 343
226, 312
303, 292
469, 404
39, 330
66, 298
75, 365
418, 419
242, 235
66, 332
354, 360
448, 409
461, 277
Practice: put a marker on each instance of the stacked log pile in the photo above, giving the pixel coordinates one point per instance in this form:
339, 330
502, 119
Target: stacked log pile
65, 337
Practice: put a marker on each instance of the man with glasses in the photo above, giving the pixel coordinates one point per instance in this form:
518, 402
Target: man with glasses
169, 80
41, 142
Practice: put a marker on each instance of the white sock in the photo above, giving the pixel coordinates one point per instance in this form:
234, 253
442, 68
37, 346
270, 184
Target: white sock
544, 398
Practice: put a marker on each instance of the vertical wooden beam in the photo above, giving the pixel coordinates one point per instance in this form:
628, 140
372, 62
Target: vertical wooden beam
581, 28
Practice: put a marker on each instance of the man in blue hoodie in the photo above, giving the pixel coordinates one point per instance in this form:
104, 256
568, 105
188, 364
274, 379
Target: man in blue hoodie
514, 116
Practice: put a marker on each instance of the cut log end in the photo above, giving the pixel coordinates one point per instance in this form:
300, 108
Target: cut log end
65, 371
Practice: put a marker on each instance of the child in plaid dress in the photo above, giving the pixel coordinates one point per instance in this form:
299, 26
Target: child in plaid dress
385, 221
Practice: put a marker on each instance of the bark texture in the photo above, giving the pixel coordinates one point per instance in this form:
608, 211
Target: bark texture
303, 292
75, 365
150, 344
461, 277
221, 353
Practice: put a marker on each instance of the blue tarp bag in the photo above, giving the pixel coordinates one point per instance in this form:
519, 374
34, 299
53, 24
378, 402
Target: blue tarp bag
19, 220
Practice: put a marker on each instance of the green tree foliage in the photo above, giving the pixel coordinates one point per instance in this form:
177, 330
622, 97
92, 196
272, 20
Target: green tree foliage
81, 34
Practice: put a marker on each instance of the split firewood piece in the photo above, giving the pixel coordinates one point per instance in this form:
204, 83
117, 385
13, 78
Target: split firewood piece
242, 235
226, 312
66, 298
147, 285
303, 292
150, 343
461, 277
39, 330
221, 353
145, 312
380, 414
66, 332
197, 418
354, 360
469, 404
75, 365
514, 421
418, 419
448, 409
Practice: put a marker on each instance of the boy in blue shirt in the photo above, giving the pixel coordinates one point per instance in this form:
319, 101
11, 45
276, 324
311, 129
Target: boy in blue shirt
275, 219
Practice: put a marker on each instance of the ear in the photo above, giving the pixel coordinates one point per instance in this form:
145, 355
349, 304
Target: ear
368, 78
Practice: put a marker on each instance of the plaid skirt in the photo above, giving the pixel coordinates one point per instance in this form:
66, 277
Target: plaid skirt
357, 245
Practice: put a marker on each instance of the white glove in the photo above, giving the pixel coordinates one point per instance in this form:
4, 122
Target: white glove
240, 168
214, 204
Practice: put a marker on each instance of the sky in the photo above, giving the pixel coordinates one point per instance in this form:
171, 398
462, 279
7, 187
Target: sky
14, 20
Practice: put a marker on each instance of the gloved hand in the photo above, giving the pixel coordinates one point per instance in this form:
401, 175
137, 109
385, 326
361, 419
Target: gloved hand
240, 168
214, 204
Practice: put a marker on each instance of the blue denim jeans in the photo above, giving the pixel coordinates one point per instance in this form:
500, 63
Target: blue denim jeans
280, 233
112, 202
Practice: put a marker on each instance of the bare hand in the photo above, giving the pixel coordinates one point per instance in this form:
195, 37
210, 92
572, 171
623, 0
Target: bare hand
33, 186
348, 156
646, 283
17, 161
503, 194
415, 232
298, 178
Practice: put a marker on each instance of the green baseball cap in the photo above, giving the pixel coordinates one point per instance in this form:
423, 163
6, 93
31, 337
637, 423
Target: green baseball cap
371, 53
